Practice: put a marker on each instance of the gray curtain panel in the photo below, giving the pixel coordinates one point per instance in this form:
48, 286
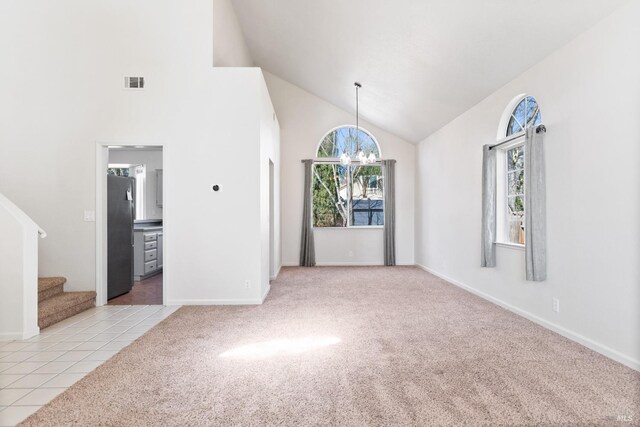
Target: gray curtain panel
307, 247
535, 219
488, 249
389, 181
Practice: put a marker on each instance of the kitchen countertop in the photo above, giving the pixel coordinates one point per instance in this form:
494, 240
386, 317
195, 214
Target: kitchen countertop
147, 228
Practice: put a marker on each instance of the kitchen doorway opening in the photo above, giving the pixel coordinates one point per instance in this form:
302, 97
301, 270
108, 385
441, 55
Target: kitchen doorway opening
131, 226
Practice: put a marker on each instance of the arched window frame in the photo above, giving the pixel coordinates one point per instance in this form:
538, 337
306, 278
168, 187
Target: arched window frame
352, 212
369, 134
510, 176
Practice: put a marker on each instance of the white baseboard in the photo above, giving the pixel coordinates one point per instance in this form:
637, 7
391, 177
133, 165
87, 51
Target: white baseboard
265, 293
345, 264
275, 276
247, 301
25, 335
587, 342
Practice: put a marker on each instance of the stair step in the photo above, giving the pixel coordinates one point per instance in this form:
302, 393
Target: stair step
63, 306
49, 287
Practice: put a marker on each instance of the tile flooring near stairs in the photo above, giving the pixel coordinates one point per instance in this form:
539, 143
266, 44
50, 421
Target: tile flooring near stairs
34, 371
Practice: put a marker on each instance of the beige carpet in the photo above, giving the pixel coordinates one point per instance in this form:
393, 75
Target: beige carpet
350, 346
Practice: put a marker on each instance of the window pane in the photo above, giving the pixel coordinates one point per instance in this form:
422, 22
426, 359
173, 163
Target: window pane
516, 206
519, 112
515, 232
367, 200
347, 195
347, 139
515, 158
514, 127
538, 119
525, 115
515, 183
330, 195
118, 171
532, 110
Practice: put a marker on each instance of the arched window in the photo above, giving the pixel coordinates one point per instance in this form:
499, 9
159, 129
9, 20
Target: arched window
347, 195
347, 139
511, 173
524, 115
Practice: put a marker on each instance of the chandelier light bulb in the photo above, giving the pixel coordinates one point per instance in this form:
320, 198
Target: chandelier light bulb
345, 159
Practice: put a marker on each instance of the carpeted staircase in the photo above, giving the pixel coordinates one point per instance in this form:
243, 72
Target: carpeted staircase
55, 305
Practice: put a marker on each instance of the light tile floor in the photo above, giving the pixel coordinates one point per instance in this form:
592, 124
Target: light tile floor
34, 371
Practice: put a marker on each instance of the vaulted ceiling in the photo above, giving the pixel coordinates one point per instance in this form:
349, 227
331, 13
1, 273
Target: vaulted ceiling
421, 62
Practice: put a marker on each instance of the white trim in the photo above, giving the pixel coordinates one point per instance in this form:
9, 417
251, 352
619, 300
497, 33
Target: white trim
25, 335
265, 293
247, 301
580, 339
506, 115
274, 277
102, 160
351, 227
348, 264
515, 246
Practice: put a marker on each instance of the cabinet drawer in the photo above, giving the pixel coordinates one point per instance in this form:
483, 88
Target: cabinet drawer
150, 266
148, 237
150, 255
150, 245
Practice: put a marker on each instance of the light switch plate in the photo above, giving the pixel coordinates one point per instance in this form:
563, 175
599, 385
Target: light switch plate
90, 216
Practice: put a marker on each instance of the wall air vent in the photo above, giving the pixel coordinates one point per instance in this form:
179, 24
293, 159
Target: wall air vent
134, 82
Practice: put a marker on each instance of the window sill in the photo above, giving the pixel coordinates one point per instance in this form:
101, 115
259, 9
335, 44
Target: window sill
363, 227
510, 245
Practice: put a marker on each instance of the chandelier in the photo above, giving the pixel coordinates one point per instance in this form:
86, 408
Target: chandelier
361, 157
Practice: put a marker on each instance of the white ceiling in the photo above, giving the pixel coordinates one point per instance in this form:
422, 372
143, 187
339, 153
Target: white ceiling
421, 62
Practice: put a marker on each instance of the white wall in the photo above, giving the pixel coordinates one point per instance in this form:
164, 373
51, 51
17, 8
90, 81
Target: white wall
18, 273
215, 246
304, 120
229, 47
152, 159
63, 73
589, 94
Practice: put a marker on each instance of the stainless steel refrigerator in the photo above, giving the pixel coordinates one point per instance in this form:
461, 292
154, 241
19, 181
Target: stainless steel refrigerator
120, 215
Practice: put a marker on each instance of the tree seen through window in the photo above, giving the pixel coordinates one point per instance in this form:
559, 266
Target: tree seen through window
347, 195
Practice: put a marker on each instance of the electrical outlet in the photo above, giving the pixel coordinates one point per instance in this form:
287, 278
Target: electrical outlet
556, 305
247, 284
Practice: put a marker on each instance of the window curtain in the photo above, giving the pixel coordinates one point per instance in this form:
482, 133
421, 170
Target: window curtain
535, 221
307, 247
488, 250
389, 181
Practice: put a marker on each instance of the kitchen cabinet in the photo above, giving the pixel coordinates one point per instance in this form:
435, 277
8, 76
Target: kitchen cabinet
147, 252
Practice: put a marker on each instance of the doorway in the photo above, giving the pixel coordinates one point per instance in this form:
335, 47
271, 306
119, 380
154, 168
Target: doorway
131, 230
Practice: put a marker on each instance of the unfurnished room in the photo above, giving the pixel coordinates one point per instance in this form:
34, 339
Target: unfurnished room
296, 213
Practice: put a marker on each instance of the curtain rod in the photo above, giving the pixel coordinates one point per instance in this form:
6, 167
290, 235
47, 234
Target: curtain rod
539, 128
